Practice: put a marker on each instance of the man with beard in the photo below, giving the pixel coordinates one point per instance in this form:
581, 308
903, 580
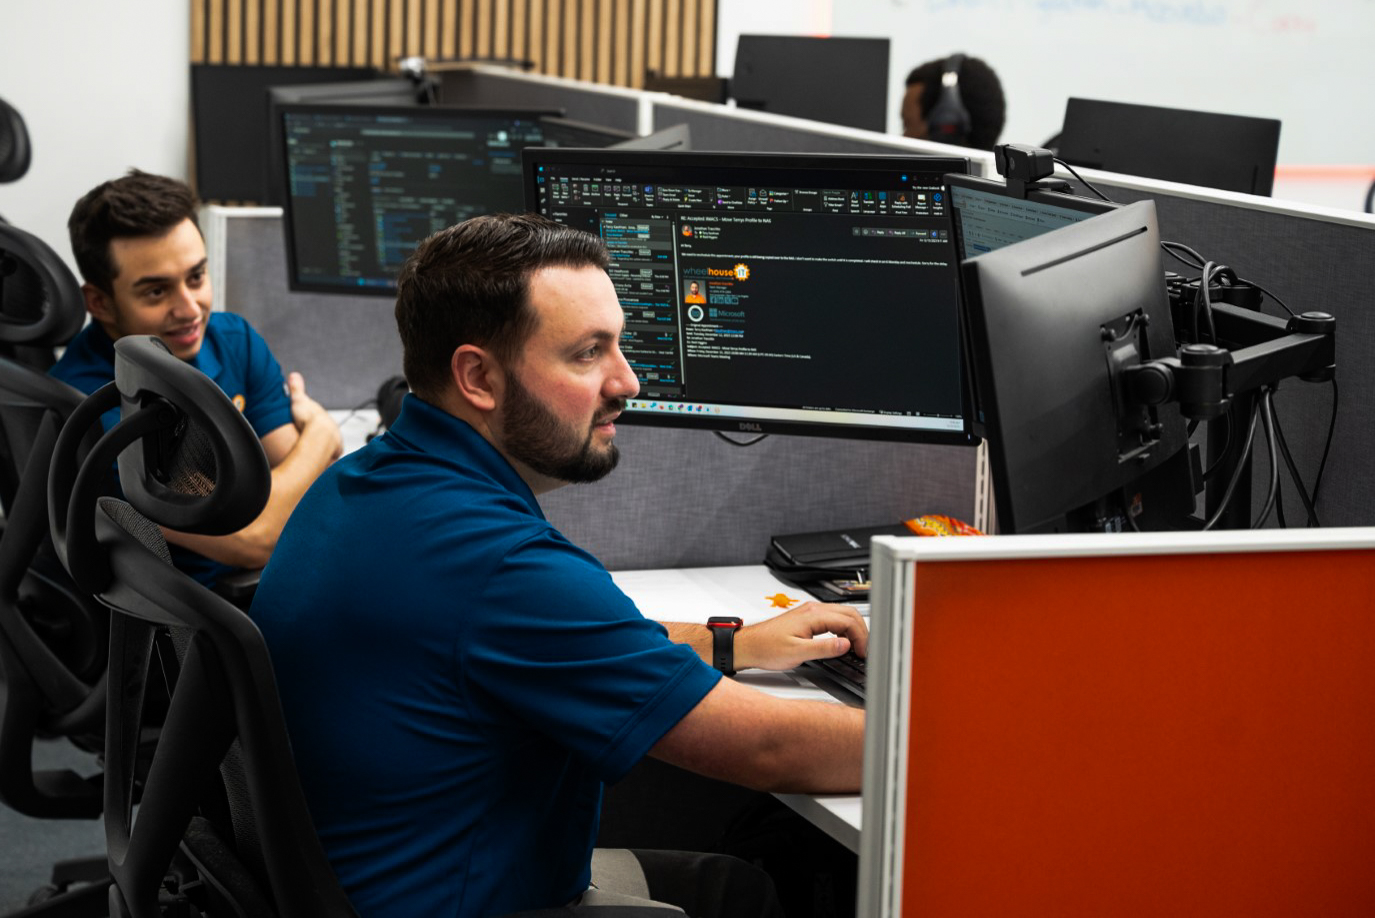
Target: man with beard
458, 678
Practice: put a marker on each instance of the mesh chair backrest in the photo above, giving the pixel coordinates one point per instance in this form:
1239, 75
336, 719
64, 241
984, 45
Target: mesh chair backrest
187, 461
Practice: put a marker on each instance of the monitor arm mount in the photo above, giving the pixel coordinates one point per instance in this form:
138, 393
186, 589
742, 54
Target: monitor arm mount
1219, 384
1026, 168
1205, 378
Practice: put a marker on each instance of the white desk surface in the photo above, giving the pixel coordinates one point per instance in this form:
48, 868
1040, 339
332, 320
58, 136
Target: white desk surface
753, 594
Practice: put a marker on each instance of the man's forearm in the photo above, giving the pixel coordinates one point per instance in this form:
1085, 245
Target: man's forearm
698, 637
250, 547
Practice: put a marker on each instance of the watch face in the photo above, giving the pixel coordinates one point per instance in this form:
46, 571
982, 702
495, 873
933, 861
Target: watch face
720, 621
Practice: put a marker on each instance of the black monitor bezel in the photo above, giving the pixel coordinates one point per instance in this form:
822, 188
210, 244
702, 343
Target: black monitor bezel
808, 161
436, 113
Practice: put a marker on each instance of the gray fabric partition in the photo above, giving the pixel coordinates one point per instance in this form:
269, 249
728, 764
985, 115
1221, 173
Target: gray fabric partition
343, 345
688, 499
612, 109
728, 129
680, 498
1312, 262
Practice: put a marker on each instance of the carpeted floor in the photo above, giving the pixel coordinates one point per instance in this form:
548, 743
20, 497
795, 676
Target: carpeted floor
29, 847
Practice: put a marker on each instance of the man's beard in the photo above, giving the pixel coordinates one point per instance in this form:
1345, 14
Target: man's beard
535, 435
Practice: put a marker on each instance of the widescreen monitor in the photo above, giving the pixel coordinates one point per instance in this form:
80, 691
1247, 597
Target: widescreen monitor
988, 215
836, 80
365, 185
229, 113
1230, 152
1053, 322
776, 292
390, 91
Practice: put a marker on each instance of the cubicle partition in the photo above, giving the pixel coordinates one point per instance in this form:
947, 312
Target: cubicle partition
496, 87
1200, 748
1313, 258
721, 127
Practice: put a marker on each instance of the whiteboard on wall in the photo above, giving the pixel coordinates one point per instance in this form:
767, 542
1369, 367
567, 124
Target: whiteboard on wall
1309, 64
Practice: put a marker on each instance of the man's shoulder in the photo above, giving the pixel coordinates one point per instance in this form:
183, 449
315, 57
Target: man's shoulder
84, 364
230, 326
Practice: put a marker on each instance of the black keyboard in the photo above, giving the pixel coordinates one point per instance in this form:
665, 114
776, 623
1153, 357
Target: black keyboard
845, 672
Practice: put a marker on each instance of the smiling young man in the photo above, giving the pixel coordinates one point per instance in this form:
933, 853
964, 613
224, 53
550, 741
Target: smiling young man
143, 262
458, 678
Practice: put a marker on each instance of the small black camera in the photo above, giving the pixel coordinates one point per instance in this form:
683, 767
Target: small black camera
1023, 163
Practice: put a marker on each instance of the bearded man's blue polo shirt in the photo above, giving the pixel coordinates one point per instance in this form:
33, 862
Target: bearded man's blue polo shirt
234, 355
458, 678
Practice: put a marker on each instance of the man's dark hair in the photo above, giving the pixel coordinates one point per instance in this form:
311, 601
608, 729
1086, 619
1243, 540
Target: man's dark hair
980, 91
470, 284
138, 204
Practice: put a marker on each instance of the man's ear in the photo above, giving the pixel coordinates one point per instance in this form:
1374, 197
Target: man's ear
477, 376
98, 303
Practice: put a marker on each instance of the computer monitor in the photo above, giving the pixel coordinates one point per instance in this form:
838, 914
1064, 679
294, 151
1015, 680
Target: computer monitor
1054, 321
779, 293
392, 91
1231, 152
365, 185
229, 109
836, 80
988, 215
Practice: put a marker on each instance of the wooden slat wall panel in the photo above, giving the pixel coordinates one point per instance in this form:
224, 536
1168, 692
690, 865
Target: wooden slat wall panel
609, 41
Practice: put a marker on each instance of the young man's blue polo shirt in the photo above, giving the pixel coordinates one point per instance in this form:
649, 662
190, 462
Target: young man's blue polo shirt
458, 678
234, 355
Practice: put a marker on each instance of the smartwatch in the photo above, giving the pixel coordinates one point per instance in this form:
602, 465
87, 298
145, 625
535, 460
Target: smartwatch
723, 628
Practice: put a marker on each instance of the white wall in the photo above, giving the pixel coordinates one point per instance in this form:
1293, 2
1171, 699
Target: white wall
103, 85
1307, 64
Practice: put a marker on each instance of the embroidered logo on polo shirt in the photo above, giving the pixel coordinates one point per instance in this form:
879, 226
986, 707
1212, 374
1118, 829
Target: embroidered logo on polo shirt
238, 401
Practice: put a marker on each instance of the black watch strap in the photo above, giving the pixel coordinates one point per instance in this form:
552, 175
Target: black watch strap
723, 630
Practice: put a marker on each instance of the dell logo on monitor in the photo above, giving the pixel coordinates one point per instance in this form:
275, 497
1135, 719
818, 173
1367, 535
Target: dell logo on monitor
751, 426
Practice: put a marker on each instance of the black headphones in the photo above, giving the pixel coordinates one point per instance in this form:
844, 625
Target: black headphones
389, 396
948, 120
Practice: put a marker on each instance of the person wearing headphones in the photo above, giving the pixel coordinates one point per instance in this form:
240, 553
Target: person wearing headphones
956, 100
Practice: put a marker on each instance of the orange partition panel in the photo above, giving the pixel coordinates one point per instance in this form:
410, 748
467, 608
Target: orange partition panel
1149, 735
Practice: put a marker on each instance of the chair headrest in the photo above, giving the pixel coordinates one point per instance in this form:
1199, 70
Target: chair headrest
188, 460
14, 144
40, 299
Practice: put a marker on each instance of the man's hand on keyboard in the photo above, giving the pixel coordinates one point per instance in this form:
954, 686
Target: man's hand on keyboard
791, 638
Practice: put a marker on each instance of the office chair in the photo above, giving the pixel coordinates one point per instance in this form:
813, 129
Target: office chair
223, 824
52, 636
222, 812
